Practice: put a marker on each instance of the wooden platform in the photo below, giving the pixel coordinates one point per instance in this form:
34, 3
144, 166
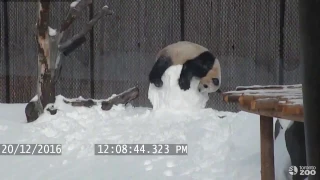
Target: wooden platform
272, 101
268, 101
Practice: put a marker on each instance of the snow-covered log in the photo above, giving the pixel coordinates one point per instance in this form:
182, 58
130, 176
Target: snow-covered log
122, 98
51, 50
82, 102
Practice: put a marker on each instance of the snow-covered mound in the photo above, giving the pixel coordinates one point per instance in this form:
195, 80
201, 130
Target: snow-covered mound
219, 143
170, 96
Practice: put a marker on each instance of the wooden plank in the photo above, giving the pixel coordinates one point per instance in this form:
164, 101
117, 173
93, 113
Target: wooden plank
287, 92
282, 101
267, 148
269, 87
271, 113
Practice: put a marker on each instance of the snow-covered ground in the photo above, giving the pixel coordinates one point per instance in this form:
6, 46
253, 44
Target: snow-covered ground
221, 145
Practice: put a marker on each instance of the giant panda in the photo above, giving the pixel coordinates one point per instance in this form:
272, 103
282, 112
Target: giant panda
197, 61
295, 145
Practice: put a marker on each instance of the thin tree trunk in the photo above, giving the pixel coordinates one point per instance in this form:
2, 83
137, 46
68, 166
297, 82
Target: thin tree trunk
45, 87
51, 52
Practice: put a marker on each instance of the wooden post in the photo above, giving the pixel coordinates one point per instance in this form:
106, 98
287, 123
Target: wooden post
267, 150
310, 55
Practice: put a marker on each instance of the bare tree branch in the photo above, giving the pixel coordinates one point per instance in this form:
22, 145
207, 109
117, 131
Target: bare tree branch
64, 46
75, 9
74, 44
54, 52
73, 13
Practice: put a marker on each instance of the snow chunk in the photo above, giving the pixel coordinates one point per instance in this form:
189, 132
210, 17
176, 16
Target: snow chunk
35, 98
170, 96
168, 173
74, 3
52, 32
170, 164
149, 168
3, 128
147, 162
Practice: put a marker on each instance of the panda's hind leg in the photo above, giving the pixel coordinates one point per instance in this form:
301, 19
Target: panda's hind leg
185, 77
158, 69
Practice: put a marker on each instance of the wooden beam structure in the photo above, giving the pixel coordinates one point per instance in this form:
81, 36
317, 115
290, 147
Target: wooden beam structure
273, 101
267, 148
281, 101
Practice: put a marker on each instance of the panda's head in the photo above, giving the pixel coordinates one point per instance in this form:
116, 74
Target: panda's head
212, 81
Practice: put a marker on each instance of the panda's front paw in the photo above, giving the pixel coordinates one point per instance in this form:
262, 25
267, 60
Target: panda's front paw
157, 82
184, 84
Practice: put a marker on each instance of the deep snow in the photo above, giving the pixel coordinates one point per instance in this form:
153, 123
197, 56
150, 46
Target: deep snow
221, 145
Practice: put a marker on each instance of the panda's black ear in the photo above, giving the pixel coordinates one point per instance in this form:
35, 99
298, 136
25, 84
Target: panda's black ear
207, 60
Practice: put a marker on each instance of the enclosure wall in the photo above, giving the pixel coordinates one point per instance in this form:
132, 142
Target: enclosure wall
244, 35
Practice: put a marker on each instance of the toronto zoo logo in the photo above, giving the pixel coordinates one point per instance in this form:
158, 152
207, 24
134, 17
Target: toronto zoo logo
293, 170
303, 170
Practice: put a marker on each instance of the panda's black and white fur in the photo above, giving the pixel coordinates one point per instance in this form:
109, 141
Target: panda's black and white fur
197, 61
295, 144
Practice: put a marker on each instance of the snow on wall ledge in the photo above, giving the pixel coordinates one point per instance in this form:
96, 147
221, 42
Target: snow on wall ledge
170, 96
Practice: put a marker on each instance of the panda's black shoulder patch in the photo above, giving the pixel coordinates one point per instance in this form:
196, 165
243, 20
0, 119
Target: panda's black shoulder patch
201, 64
